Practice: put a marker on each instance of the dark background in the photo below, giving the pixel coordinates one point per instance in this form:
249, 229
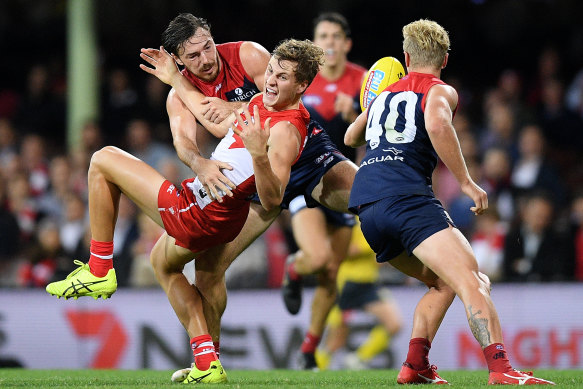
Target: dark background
487, 36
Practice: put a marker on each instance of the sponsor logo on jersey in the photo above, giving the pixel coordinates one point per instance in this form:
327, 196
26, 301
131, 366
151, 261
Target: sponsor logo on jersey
381, 158
312, 100
322, 157
331, 88
393, 150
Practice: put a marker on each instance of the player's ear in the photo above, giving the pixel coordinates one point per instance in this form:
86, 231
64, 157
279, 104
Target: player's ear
301, 88
445, 60
347, 45
407, 59
177, 59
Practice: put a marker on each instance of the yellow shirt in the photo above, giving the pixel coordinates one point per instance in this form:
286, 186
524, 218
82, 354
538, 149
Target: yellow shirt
361, 264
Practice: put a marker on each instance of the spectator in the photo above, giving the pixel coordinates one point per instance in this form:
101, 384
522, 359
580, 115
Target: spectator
141, 274
41, 111
487, 241
533, 250
74, 222
141, 145
39, 268
52, 202
496, 181
21, 204
33, 158
562, 128
8, 146
532, 170
119, 104
500, 129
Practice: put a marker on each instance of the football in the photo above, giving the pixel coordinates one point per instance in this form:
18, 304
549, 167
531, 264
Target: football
383, 73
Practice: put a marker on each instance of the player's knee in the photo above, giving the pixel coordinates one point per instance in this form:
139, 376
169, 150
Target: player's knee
485, 284
101, 160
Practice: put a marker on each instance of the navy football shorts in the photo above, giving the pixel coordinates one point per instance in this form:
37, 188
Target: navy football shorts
398, 223
335, 218
355, 295
319, 155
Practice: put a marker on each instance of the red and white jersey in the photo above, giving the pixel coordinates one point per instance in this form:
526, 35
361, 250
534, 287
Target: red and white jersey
232, 151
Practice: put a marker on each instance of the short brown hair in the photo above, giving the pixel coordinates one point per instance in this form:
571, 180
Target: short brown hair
306, 54
426, 42
180, 30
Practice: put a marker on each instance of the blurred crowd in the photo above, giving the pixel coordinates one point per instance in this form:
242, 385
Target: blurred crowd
522, 140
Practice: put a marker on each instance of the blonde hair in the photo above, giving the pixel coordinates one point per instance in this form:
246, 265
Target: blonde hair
426, 42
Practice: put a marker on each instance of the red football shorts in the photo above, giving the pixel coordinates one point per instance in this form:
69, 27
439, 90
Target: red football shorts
199, 229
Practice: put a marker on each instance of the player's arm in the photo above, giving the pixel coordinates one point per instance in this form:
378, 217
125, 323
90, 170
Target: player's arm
164, 68
273, 151
183, 126
355, 134
254, 58
439, 106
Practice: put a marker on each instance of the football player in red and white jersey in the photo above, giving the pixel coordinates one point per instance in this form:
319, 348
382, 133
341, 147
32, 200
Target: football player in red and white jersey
260, 146
207, 66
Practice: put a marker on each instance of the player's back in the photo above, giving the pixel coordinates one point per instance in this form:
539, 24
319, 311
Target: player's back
399, 155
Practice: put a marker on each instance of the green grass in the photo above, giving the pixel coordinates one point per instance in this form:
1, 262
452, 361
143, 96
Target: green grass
369, 379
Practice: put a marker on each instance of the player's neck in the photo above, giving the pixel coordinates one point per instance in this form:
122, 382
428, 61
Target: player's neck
276, 108
332, 73
425, 69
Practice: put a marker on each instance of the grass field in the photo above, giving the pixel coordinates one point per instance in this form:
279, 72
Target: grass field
369, 379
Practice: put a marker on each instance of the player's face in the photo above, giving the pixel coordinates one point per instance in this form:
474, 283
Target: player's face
199, 55
330, 37
281, 89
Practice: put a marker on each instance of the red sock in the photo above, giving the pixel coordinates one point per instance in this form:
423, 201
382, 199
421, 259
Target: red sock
217, 348
293, 274
418, 355
496, 358
101, 258
310, 343
203, 351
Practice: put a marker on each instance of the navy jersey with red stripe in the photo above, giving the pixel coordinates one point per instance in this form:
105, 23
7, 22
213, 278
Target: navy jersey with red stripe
320, 97
400, 158
232, 83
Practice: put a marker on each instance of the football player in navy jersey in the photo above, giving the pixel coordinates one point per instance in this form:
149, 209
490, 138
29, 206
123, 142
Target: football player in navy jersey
405, 129
323, 235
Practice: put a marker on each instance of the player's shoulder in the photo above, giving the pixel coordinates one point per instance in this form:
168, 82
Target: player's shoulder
252, 49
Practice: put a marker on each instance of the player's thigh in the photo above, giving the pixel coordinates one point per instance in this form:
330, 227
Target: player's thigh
340, 238
168, 256
136, 179
449, 255
216, 260
333, 190
413, 267
310, 233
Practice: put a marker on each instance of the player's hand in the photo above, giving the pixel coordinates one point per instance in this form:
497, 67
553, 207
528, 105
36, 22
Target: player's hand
216, 110
210, 175
478, 195
253, 136
163, 65
344, 105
